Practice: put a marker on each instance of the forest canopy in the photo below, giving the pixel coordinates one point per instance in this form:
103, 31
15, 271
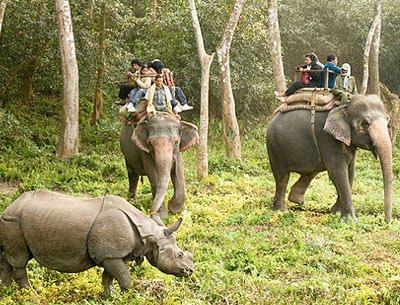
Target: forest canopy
29, 54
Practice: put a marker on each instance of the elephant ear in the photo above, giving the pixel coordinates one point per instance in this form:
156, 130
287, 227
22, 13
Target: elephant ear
337, 125
189, 135
139, 136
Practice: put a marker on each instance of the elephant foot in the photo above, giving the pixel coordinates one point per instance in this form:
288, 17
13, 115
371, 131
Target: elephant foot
296, 197
280, 207
335, 208
348, 216
175, 207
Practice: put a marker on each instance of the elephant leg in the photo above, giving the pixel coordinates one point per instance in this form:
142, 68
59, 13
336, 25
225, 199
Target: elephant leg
116, 268
162, 213
177, 202
340, 178
133, 181
281, 181
337, 206
21, 277
298, 189
107, 280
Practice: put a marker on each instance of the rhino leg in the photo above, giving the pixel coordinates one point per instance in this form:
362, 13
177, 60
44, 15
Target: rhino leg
118, 270
6, 271
107, 281
21, 277
16, 252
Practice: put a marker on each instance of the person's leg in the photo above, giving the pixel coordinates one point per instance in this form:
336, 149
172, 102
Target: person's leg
294, 87
181, 97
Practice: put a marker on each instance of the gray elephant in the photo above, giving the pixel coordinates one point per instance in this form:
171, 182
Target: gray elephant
71, 234
153, 148
292, 147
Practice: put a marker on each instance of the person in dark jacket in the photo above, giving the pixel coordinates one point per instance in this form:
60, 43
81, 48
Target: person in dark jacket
130, 84
331, 65
309, 78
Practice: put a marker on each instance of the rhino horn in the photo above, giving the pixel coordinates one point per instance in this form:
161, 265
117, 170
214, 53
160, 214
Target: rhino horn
169, 231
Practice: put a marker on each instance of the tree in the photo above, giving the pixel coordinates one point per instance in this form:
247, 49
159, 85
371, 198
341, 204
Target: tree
68, 144
368, 45
205, 61
3, 4
98, 92
231, 127
373, 83
275, 46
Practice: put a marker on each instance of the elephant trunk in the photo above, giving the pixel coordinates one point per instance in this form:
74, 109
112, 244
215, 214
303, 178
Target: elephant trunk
379, 134
163, 149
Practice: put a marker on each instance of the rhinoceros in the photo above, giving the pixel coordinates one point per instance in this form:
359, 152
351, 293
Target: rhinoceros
72, 234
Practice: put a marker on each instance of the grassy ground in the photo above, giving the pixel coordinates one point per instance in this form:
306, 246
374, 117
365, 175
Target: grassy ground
245, 253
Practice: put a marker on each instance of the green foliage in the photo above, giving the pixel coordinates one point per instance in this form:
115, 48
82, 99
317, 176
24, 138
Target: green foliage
244, 252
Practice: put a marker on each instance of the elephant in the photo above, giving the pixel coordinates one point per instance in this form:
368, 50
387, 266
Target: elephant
153, 148
293, 146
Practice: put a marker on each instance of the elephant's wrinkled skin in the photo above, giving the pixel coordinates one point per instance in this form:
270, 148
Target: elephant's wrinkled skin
362, 123
153, 149
70, 234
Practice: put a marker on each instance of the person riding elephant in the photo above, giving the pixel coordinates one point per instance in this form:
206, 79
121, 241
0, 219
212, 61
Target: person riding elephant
154, 148
295, 144
345, 84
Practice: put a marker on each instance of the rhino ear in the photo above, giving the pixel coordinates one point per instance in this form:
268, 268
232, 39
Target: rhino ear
169, 231
337, 125
189, 135
139, 136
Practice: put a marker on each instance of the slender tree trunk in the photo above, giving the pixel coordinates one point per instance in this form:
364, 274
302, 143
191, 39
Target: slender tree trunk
98, 92
367, 48
153, 10
205, 61
69, 138
29, 76
275, 46
231, 127
373, 84
3, 4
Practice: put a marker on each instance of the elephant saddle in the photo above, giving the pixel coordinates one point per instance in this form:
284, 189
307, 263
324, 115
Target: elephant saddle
309, 100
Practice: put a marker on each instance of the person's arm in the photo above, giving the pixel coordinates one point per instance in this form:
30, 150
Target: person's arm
335, 69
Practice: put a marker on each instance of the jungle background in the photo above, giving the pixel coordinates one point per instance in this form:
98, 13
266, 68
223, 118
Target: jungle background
245, 253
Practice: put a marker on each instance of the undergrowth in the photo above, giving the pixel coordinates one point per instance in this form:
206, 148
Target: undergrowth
244, 252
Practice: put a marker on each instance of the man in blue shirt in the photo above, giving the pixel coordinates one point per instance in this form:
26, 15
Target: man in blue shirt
331, 65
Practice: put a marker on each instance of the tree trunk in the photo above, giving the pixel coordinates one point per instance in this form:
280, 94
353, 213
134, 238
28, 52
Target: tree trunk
367, 48
3, 4
275, 46
231, 127
373, 84
29, 75
153, 10
68, 144
205, 61
98, 92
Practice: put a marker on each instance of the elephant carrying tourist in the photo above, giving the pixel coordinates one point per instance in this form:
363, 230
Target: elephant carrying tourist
153, 148
295, 146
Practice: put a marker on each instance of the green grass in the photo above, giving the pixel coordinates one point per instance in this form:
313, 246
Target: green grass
244, 252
